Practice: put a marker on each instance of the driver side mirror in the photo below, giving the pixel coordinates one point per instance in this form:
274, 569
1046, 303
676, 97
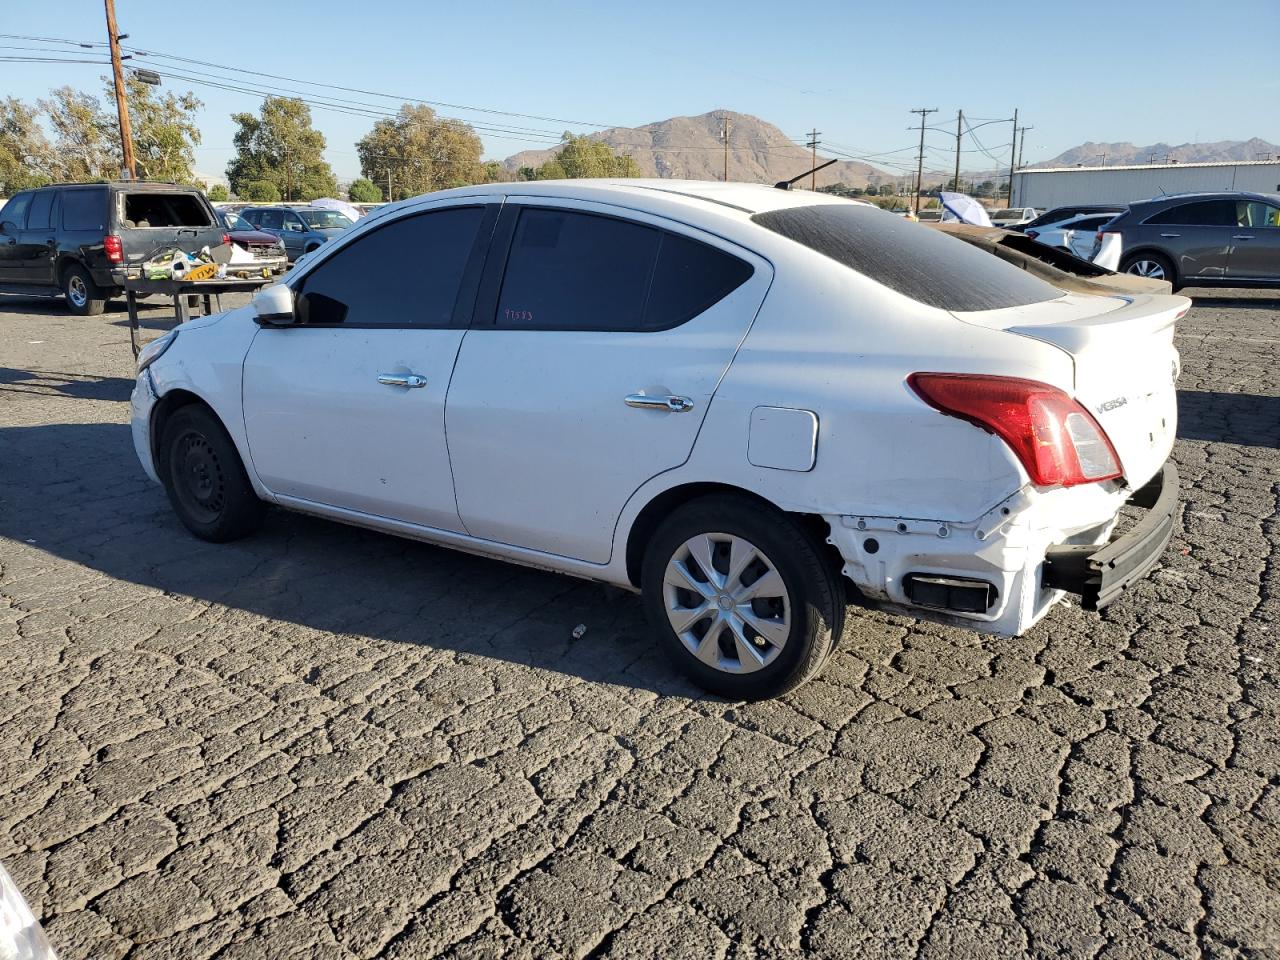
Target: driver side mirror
8, 228
273, 306
293, 227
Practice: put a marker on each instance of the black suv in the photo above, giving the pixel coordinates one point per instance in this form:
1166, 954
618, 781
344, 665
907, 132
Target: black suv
1201, 239
77, 239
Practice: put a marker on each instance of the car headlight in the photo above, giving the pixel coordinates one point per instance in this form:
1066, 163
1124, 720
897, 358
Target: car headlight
154, 350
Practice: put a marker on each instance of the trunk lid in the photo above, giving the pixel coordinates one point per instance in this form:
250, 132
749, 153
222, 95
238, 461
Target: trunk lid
1125, 364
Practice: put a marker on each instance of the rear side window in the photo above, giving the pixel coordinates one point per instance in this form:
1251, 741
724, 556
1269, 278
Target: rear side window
38, 218
916, 261
165, 210
15, 211
84, 210
1203, 213
367, 283
1090, 223
581, 271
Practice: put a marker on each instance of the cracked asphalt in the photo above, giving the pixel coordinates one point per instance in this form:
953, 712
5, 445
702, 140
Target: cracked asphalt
328, 743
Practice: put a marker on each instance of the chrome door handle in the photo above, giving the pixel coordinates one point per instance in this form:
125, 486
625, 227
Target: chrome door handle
1170, 234
668, 404
1243, 236
402, 380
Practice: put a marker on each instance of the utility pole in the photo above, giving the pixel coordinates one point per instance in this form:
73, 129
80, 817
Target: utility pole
1012, 156
122, 104
1022, 142
389, 196
813, 146
924, 113
288, 175
955, 183
724, 135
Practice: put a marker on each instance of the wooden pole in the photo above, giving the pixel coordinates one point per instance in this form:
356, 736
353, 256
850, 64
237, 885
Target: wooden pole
122, 104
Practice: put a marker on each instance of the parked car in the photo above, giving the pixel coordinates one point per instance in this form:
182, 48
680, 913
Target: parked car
1012, 217
1060, 214
1197, 239
78, 239
300, 229
21, 936
1074, 234
256, 252
738, 401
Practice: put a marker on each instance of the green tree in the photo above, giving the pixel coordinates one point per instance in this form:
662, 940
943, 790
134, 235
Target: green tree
582, 157
363, 191
421, 152
261, 191
527, 173
281, 148
86, 142
886, 190
218, 193
165, 133
26, 158
494, 172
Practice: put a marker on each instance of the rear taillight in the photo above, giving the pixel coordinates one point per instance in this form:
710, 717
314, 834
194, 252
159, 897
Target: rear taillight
114, 249
1057, 441
1033, 234
226, 238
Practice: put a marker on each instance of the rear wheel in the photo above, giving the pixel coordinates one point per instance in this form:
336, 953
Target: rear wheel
84, 297
1150, 265
205, 480
742, 597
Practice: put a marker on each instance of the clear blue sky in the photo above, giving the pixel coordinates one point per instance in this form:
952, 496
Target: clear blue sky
1176, 71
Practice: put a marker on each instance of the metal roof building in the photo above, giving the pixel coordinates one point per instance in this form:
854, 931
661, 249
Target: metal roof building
1045, 187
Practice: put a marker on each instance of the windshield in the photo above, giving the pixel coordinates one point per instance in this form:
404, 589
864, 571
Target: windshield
1007, 215
233, 221
324, 219
917, 261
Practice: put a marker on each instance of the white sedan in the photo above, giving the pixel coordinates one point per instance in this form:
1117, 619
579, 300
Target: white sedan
744, 403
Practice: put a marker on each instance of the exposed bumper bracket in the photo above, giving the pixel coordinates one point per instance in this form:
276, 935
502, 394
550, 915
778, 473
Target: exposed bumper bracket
1100, 574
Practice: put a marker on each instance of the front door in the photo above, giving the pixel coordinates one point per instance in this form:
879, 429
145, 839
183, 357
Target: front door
1255, 251
589, 367
38, 242
346, 408
13, 216
294, 235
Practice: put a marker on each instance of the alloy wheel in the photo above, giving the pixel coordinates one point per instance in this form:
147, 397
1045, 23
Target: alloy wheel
1147, 268
77, 292
727, 603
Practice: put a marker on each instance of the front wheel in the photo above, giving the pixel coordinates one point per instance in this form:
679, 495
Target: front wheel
205, 480
742, 597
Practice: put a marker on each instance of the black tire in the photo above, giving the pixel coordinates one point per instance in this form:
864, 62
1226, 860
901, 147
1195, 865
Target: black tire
84, 297
814, 596
205, 479
1140, 263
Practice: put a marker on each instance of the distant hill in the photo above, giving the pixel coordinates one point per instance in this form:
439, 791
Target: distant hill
1092, 154
690, 148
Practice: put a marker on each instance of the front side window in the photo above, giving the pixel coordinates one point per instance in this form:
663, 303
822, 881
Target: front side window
272, 219
15, 211
404, 274
1202, 213
291, 222
580, 271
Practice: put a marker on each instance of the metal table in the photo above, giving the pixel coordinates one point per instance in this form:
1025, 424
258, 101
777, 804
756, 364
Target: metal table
180, 290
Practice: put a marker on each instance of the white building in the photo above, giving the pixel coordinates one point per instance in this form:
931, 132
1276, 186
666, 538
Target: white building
1047, 187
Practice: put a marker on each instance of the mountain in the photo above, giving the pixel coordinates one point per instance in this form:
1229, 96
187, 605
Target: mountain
1092, 154
691, 148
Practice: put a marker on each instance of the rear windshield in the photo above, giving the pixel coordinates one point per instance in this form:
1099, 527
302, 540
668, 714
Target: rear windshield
917, 261
165, 210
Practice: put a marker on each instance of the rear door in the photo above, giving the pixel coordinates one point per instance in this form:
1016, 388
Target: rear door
1255, 250
1196, 235
346, 408
589, 367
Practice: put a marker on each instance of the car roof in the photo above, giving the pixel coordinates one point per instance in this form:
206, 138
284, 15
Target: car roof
1213, 195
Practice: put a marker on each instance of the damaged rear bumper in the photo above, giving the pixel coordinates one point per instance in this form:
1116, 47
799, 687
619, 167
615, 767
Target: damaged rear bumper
1101, 574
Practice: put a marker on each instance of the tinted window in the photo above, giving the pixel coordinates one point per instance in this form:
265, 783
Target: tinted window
251, 215
367, 283
84, 210
1089, 223
15, 211
1204, 213
272, 219
41, 207
920, 262
579, 271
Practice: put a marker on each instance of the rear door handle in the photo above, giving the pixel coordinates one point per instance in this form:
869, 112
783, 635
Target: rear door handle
643, 401
402, 380
1170, 234
1243, 236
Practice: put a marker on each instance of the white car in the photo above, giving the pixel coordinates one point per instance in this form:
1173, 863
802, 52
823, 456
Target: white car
1074, 234
1013, 216
737, 400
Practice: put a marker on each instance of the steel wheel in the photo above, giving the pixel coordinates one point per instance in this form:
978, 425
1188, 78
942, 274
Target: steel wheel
77, 292
198, 477
1152, 269
727, 603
